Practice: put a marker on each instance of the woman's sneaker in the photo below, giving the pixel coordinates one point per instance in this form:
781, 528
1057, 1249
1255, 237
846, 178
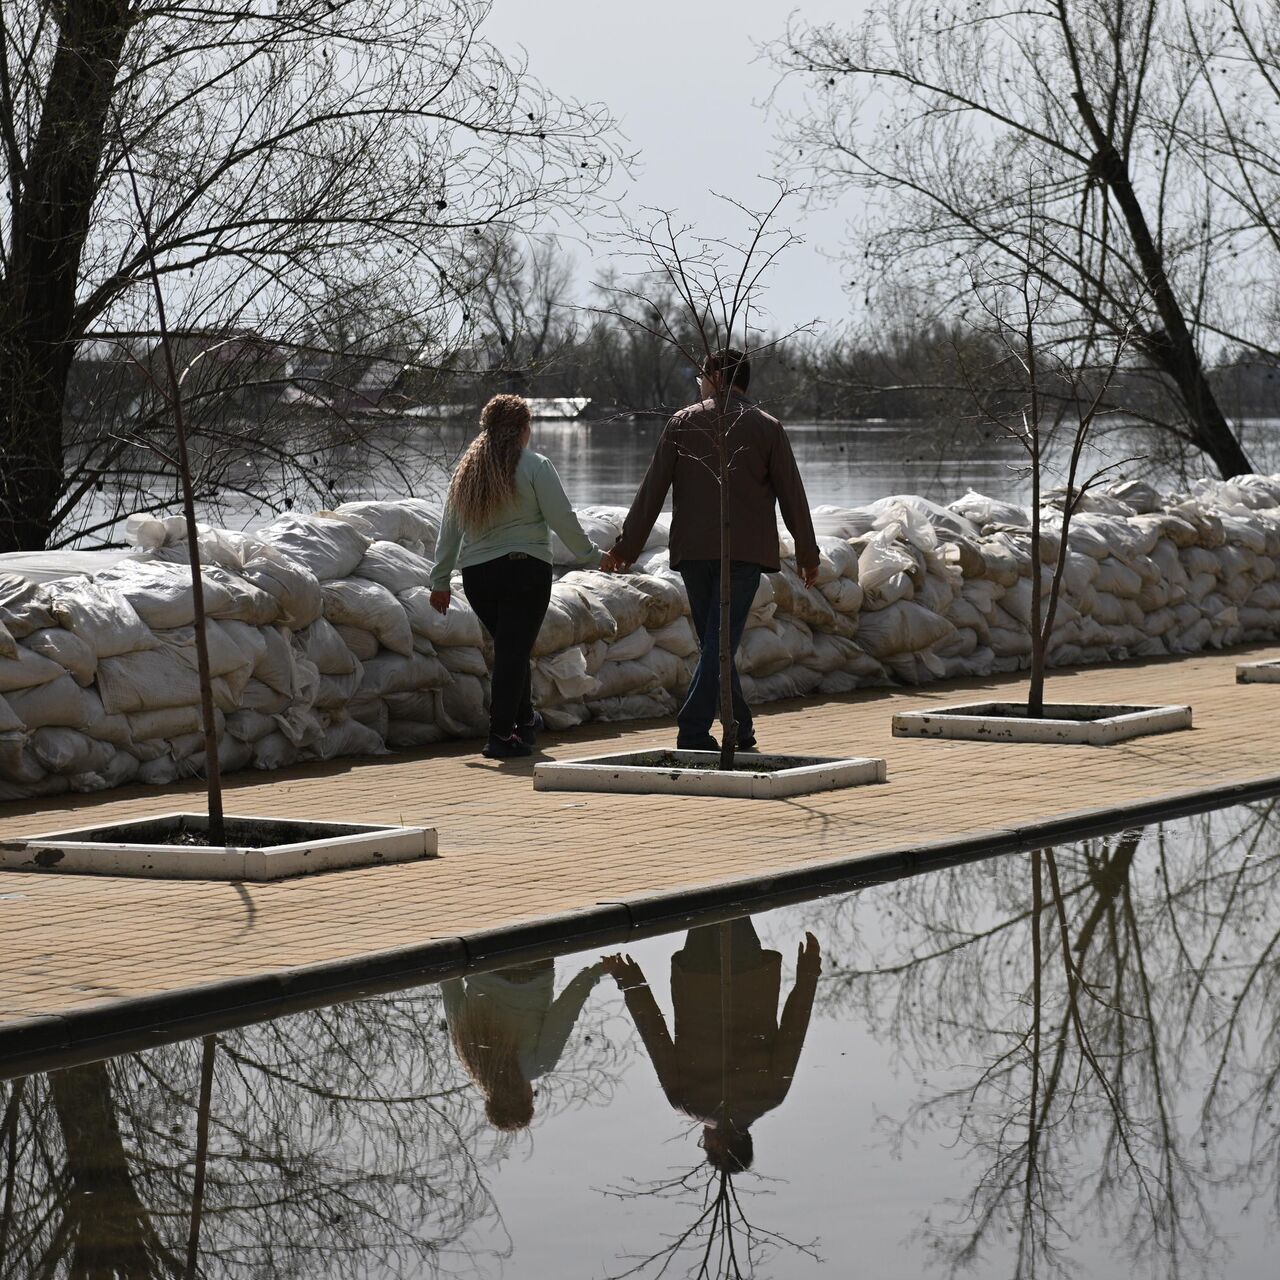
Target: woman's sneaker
506, 748
528, 733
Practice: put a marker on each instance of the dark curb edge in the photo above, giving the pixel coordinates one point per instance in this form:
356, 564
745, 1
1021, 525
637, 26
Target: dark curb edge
45, 1042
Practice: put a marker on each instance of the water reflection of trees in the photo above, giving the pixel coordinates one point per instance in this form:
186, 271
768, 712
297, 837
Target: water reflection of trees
341, 1142
1072, 1001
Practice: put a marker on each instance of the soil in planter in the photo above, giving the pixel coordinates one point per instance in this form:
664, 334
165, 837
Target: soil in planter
241, 834
741, 764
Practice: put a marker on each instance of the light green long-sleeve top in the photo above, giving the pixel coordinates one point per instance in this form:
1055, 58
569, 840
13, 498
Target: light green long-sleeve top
524, 523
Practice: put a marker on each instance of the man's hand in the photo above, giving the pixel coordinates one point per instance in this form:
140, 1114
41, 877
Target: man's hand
623, 970
440, 601
611, 562
809, 958
809, 576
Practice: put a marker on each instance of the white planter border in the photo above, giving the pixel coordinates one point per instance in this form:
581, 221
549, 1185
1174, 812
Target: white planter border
1265, 672
633, 773
349, 845
967, 722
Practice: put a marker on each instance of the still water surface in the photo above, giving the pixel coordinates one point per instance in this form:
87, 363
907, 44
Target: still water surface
1061, 1063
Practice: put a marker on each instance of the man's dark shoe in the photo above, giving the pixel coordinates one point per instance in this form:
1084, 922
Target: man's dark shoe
528, 733
696, 742
506, 748
748, 744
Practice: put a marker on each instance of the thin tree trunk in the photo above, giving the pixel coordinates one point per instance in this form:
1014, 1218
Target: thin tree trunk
1039, 638
728, 720
212, 766
1174, 350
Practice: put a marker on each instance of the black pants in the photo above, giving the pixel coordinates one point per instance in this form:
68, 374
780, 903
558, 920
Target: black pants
510, 596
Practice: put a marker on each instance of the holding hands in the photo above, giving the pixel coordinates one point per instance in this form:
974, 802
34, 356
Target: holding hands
624, 971
611, 563
440, 601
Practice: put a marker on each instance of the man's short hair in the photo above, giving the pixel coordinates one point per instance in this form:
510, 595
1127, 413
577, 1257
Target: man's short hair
733, 362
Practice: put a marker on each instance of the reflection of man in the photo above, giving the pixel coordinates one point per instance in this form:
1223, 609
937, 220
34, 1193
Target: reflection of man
509, 1027
730, 1058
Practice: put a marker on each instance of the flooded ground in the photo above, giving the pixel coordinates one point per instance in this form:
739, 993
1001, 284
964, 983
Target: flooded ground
1056, 1063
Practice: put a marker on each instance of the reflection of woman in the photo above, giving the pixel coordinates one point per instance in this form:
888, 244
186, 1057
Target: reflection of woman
730, 1059
504, 501
509, 1027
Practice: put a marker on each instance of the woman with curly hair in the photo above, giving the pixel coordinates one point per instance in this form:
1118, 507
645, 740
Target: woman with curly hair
504, 500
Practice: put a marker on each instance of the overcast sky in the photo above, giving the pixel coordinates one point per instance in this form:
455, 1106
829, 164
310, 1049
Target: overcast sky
684, 78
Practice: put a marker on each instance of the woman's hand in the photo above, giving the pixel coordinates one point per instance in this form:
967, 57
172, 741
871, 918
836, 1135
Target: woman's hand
440, 601
624, 971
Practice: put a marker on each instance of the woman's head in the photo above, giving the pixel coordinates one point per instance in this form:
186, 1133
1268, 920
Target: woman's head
485, 478
490, 1052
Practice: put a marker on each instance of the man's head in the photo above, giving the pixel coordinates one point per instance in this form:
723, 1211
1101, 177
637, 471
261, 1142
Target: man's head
725, 370
727, 1147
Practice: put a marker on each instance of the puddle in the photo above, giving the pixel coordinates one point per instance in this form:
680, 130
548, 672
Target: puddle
900, 1082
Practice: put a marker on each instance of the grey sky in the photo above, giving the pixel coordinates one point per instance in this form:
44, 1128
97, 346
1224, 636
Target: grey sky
684, 78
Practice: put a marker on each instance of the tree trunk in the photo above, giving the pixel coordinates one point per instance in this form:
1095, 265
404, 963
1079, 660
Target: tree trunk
728, 720
38, 325
1174, 350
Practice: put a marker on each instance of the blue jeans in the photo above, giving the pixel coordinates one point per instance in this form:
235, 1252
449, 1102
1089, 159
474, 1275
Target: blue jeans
702, 585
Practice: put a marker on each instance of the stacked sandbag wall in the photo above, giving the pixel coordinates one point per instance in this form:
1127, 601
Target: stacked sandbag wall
323, 642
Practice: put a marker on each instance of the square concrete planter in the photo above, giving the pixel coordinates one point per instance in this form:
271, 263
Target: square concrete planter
1266, 672
689, 773
1093, 724
259, 848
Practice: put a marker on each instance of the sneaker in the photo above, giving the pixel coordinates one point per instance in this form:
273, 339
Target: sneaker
696, 742
528, 733
506, 748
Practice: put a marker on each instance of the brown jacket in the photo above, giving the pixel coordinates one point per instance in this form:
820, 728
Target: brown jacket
730, 1057
762, 470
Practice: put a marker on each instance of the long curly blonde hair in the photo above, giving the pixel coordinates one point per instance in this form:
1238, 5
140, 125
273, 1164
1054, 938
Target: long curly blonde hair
485, 479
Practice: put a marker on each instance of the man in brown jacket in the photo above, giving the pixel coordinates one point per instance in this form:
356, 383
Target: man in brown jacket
761, 472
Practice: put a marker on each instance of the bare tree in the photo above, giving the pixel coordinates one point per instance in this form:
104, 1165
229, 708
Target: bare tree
283, 153
715, 285
941, 112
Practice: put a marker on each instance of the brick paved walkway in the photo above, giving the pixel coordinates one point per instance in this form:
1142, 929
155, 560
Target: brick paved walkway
508, 853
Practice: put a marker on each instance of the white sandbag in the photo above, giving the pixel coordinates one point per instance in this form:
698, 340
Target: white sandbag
762, 652
462, 707
294, 588
249, 726
881, 557
8, 645
347, 738
624, 603
407, 520
168, 722
356, 602
630, 647
904, 627
981, 511
67, 650
24, 605
677, 637
27, 671
566, 673
330, 548
104, 620
844, 595
392, 673
60, 749
898, 586
59, 702
616, 679
9, 721
460, 626
463, 660
323, 645
634, 706
118, 771
334, 692
363, 644
565, 716
394, 567
665, 597
1117, 579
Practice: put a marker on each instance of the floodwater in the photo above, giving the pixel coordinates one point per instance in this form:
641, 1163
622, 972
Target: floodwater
1056, 1063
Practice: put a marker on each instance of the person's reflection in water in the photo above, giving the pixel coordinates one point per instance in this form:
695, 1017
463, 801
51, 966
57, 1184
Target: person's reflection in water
509, 1027
730, 1059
